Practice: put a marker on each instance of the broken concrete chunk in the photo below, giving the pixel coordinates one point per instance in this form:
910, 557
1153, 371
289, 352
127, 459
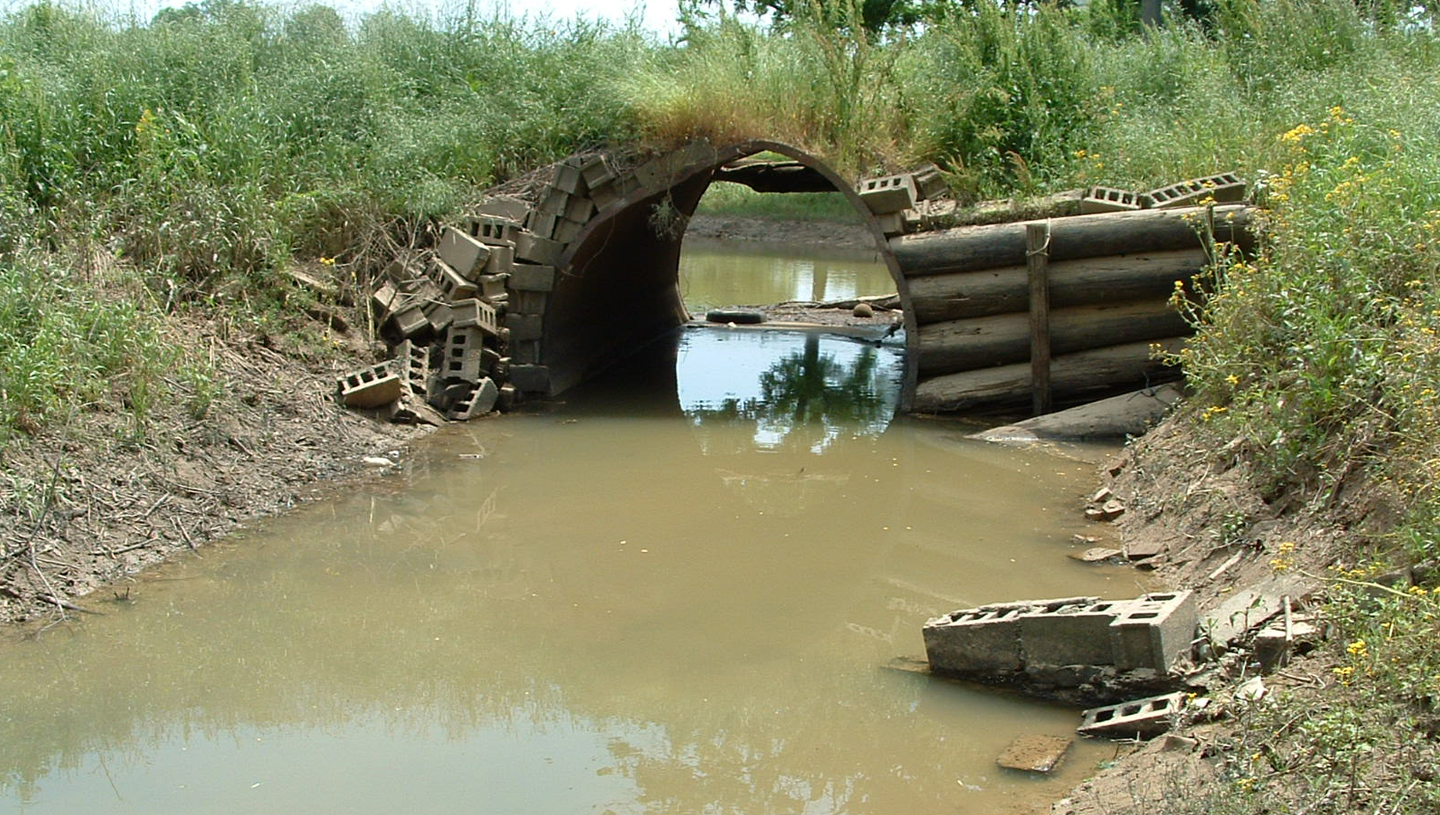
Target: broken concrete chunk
1034, 754
413, 410
1141, 718
1098, 554
479, 401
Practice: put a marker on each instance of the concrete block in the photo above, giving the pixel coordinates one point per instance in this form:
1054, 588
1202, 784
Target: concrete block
412, 365
595, 170
500, 369
473, 313
530, 378
1142, 717
511, 209
492, 285
569, 179
530, 248
892, 223
567, 230
532, 277
526, 352
1106, 199
1069, 633
494, 231
524, 326
370, 387
1224, 188
409, 321
438, 313
461, 252
929, 183
508, 399
974, 641
541, 224
479, 401
502, 260
579, 208
605, 194
462, 354
386, 299
451, 283
891, 193
528, 302
1154, 631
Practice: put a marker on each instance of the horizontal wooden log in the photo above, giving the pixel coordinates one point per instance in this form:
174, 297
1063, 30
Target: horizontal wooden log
1081, 282
1072, 377
984, 342
968, 248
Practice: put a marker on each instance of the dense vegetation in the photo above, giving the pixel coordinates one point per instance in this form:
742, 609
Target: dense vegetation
180, 165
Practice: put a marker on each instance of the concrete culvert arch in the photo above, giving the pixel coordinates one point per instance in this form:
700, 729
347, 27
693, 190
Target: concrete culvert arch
616, 285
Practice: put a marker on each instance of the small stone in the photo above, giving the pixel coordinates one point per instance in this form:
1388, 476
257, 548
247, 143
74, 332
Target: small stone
1143, 549
863, 310
1113, 508
378, 461
1251, 690
1174, 743
1102, 495
1097, 554
1094, 514
1087, 539
1034, 754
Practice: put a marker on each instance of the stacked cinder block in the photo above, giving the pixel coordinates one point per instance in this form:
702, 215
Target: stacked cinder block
1150, 632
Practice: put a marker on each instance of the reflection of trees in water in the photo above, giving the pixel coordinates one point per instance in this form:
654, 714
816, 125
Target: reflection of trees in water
807, 400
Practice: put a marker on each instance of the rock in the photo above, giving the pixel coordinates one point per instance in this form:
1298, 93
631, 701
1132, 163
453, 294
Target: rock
863, 310
1251, 690
1094, 514
1113, 509
1089, 539
1174, 743
1034, 754
1098, 554
377, 461
1143, 549
1102, 495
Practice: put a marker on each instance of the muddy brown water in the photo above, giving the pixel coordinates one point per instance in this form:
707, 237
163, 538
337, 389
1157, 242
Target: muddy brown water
716, 273
676, 594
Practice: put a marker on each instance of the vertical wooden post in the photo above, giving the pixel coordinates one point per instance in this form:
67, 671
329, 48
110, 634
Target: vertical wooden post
1037, 265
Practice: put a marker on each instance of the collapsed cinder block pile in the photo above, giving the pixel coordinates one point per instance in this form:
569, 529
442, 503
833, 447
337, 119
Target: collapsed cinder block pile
919, 202
465, 320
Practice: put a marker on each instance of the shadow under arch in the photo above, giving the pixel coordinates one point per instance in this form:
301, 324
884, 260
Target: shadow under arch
618, 283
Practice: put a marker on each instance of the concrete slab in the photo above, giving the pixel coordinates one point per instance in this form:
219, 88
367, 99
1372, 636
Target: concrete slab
1035, 754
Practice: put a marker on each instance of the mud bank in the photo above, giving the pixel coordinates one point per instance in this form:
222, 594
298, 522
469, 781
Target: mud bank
90, 504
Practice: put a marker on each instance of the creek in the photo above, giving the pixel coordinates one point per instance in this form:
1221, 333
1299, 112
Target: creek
677, 593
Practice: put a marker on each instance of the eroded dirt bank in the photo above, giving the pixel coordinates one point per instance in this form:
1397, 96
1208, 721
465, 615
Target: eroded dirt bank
92, 503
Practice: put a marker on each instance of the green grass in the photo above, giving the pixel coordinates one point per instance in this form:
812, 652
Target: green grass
739, 200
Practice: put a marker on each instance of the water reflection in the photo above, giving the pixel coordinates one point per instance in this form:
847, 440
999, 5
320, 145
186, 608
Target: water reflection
727, 273
812, 389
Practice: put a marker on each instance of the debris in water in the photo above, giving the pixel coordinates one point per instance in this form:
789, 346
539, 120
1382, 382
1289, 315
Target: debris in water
1035, 754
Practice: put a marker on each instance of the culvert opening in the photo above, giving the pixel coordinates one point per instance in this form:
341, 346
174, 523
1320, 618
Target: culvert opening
623, 286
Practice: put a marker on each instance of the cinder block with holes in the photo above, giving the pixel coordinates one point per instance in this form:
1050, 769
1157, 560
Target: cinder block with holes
451, 283
1224, 188
535, 249
1142, 717
494, 231
410, 409
412, 364
1107, 199
891, 193
1154, 631
976, 640
461, 252
1069, 632
371, 387
479, 401
462, 358
474, 313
